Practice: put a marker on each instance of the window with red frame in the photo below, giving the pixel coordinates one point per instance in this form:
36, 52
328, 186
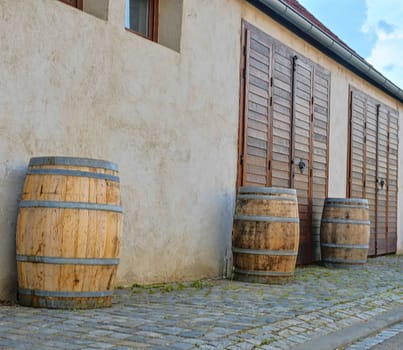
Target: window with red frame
142, 18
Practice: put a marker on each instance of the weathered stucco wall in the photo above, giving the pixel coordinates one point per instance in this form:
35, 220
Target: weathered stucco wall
73, 85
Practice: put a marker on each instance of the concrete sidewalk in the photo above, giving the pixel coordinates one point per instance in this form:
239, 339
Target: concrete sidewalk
321, 309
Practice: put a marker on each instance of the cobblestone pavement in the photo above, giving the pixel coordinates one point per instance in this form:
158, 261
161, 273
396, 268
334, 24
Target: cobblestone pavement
219, 314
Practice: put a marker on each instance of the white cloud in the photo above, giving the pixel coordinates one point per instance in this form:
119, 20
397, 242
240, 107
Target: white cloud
384, 22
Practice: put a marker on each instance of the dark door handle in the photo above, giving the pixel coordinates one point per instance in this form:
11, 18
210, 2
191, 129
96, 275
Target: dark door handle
301, 165
381, 182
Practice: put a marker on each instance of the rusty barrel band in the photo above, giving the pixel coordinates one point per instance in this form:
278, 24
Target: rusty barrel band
348, 206
61, 294
264, 252
73, 161
266, 218
78, 173
268, 198
345, 246
70, 205
347, 200
67, 261
346, 221
268, 190
263, 273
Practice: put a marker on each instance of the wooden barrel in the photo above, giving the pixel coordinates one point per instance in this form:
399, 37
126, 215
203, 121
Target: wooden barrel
68, 233
265, 234
344, 232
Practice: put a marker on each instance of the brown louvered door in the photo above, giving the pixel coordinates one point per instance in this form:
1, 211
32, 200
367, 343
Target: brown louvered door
255, 149
356, 140
283, 133
370, 167
392, 182
301, 154
281, 118
373, 167
320, 132
381, 188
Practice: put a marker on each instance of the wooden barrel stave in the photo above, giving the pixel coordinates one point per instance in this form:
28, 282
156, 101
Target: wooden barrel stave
68, 233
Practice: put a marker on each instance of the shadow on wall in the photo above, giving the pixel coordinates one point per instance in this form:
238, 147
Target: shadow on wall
11, 186
227, 204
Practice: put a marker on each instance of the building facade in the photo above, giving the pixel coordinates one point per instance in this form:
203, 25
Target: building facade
203, 97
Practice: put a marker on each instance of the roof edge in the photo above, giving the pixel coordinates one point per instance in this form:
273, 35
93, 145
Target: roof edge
299, 24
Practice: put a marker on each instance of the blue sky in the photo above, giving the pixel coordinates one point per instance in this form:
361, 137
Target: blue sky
373, 28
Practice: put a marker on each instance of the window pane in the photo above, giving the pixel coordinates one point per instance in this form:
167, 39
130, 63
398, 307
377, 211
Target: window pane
137, 13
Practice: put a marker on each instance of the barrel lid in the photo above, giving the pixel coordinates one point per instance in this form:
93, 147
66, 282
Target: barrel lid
267, 190
86, 162
347, 200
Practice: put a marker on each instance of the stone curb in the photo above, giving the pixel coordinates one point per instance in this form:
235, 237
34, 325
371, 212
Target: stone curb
350, 334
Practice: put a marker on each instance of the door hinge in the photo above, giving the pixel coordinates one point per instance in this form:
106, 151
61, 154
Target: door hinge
269, 164
241, 158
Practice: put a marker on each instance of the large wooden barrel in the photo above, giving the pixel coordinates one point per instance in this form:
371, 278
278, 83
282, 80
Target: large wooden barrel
68, 233
344, 232
265, 234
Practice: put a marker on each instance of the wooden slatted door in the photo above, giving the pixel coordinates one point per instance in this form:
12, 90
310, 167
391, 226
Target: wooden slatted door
283, 133
369, 166
320, 146
381, 180
392, 181
356, 142
301, 154
255, 127
309, 139
372, 172
281, 117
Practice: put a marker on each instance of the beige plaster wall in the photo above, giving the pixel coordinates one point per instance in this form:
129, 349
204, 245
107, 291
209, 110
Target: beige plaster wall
75, 86
72, 85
